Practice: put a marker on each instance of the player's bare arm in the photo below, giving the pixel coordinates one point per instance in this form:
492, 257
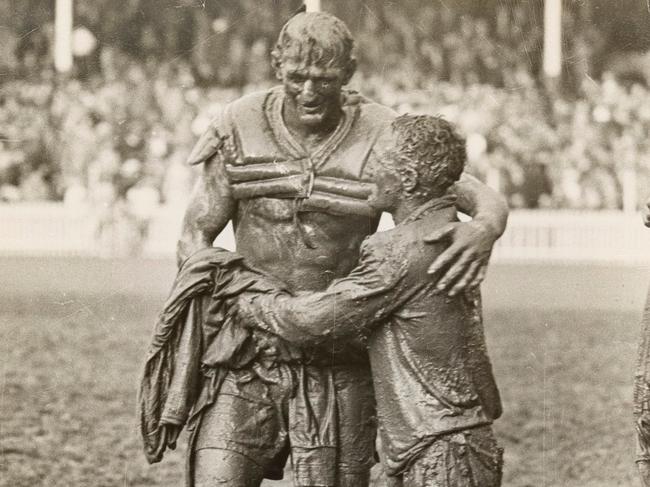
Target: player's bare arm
211, 207
465, 260
347, 309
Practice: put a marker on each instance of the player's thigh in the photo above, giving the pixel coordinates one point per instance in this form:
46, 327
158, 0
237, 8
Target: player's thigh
244, 421
214, 467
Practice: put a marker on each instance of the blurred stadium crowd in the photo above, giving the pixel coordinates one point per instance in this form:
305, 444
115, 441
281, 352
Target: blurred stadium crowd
117, 133
125, 136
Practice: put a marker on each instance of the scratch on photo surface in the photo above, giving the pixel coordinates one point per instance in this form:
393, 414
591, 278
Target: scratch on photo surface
81, 310
573, 59
30, 32
593, 81
87, 309
200, 4
367, 7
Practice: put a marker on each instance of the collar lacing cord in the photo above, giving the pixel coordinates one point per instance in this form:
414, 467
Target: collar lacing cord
297, 205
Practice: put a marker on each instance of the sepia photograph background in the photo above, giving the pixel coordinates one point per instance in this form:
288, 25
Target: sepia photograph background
102, 100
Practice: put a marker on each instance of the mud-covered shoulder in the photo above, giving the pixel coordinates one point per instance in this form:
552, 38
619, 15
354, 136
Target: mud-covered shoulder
389, 245
253, 101
221, 125
370, 108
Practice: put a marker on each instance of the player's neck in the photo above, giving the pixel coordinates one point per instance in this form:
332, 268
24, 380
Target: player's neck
410, 205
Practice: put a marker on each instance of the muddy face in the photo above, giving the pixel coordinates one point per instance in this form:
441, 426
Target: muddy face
313, 92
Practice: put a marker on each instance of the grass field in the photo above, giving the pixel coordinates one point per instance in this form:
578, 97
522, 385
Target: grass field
70, 361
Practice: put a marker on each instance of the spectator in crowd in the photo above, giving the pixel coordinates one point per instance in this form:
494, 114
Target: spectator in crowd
82, 136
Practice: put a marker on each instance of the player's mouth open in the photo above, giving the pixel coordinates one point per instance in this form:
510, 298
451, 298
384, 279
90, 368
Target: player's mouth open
311, 107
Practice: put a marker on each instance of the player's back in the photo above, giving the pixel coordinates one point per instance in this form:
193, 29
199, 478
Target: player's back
429, 363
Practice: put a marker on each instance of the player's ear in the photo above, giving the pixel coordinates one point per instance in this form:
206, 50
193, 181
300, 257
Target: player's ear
350, 69
276, 63
409, 179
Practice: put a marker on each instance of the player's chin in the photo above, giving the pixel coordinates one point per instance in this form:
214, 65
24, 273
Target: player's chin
312, 119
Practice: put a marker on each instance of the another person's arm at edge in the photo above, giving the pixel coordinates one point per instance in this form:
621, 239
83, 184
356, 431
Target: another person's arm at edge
643, 420
465, 261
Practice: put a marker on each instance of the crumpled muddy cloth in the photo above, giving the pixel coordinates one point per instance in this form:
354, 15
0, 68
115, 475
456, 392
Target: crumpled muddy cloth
196, 312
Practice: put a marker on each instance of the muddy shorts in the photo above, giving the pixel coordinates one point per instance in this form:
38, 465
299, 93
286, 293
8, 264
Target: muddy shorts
469, 458
322, 417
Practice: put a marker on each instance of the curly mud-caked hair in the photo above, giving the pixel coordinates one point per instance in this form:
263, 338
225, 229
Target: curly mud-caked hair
315, 38
431, 147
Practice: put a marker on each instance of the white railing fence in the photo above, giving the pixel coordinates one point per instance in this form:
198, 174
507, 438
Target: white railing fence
52, 229
575, 236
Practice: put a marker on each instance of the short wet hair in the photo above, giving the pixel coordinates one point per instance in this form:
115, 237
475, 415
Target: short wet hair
431, 146
316, 37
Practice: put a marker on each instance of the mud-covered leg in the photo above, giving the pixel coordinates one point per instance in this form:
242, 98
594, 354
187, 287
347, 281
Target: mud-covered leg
214, 467
470, 458
357, 426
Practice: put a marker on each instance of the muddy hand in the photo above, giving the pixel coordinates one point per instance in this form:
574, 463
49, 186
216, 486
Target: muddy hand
465, 260
170, 435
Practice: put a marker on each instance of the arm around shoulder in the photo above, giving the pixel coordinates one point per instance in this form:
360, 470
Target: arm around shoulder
465, 261
348, 307
482, 203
